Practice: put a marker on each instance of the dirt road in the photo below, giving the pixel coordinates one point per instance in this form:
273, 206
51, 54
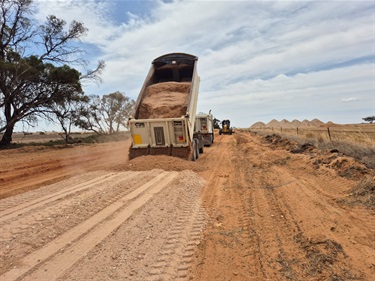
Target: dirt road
246, 210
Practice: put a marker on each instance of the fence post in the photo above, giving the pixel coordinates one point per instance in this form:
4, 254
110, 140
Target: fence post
329, 134
281, 129
297, 131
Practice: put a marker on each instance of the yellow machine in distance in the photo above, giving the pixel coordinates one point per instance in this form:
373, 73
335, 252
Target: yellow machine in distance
225, 128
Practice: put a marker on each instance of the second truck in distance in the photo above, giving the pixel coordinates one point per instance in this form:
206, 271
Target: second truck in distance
204, 128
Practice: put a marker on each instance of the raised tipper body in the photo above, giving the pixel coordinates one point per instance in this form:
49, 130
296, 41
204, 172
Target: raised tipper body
164, 116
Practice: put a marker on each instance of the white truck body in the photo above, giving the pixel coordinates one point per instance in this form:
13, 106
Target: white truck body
168, 136
204, 126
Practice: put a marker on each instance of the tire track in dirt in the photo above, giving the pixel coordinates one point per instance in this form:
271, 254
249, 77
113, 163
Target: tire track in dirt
348, 232
284, 245
176, 255
275, 228
20, 209
25, 175
279, 217
47, 190
227, 245
274, 247
58, 256
251, 237
216, 176
157, 231
82, 200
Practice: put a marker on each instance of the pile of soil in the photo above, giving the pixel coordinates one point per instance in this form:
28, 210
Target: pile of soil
291, 124
344, 166
276, 141
165, 100
321, 159
166, 163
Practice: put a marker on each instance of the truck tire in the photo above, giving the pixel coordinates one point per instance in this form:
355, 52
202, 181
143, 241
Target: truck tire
220, 132
194, 151
211, 140
197, 148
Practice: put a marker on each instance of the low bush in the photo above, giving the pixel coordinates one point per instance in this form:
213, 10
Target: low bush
361, 152
364, 193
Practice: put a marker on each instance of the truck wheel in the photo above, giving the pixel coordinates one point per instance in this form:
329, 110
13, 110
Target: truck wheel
220, 132
194, 151
197, 148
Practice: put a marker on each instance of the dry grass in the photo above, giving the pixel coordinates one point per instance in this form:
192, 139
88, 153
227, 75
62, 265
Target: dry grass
323, 259
52, 139
358, 134
357, 141
355, 144
364, 193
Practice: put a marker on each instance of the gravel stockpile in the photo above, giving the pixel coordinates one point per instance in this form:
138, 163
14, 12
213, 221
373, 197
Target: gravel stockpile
165, 100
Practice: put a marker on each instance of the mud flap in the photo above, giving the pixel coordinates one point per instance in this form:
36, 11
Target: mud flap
182, 152
136, 152
160, 151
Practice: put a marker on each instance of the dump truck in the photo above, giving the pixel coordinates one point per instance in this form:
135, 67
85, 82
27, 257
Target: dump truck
204, 128
164, 114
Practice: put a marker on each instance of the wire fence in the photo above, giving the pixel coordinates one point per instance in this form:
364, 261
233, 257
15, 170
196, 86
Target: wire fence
353, 134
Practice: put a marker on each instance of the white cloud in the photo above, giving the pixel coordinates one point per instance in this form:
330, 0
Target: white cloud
94, 15
257, 59
349, 99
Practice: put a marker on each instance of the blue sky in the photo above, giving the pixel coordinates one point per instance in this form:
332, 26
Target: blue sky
258, 60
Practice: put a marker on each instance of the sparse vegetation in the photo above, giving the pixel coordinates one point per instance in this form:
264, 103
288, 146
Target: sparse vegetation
55, 140
364, 193
350, 140
322, 256
369, 119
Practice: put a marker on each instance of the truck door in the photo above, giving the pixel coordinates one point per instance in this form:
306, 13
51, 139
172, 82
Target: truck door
159, 135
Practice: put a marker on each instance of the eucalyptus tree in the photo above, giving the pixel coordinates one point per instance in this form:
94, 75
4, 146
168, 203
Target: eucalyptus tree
34, 71
370, 119
107, 114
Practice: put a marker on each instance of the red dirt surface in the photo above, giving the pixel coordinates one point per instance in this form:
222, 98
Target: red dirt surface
31, 167
247, 209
